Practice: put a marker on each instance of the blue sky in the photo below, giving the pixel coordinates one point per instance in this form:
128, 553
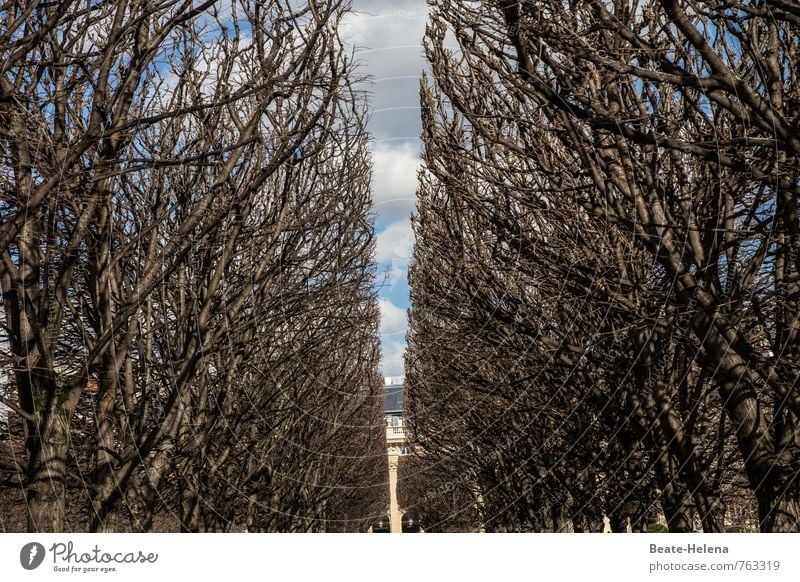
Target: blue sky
388, 40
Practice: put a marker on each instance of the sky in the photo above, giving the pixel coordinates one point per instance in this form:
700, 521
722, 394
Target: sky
387, 35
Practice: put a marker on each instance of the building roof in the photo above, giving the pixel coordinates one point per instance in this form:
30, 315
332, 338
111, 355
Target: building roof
393, 402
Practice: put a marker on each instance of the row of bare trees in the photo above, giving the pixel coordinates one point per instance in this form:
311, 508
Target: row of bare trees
606, 277
190, 327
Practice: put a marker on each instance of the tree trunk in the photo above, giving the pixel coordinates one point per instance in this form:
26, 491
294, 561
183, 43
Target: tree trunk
190, 510
596, 523
140, 495
709, 510
675, 510
618, 521
48, 465
45, 493
578, 524
779, 503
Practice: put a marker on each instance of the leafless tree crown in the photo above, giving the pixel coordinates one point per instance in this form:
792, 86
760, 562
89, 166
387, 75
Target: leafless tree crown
190, 324
605, 284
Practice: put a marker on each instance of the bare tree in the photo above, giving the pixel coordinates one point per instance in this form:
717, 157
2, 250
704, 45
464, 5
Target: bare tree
184, 232
611, 208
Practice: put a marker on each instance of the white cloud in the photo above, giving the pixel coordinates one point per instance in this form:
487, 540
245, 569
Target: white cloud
394, 324
394, 180
393, 251
387, 38
395, 242
392, 357
393, 318
388, 34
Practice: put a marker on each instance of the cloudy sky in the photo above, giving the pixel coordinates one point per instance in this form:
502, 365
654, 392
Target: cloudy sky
388, 37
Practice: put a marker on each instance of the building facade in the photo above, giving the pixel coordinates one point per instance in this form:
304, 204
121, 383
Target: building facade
395, 445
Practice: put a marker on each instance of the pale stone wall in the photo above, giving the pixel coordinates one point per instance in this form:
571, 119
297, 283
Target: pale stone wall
395, 439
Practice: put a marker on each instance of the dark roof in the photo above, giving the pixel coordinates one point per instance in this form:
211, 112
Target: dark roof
393, 403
